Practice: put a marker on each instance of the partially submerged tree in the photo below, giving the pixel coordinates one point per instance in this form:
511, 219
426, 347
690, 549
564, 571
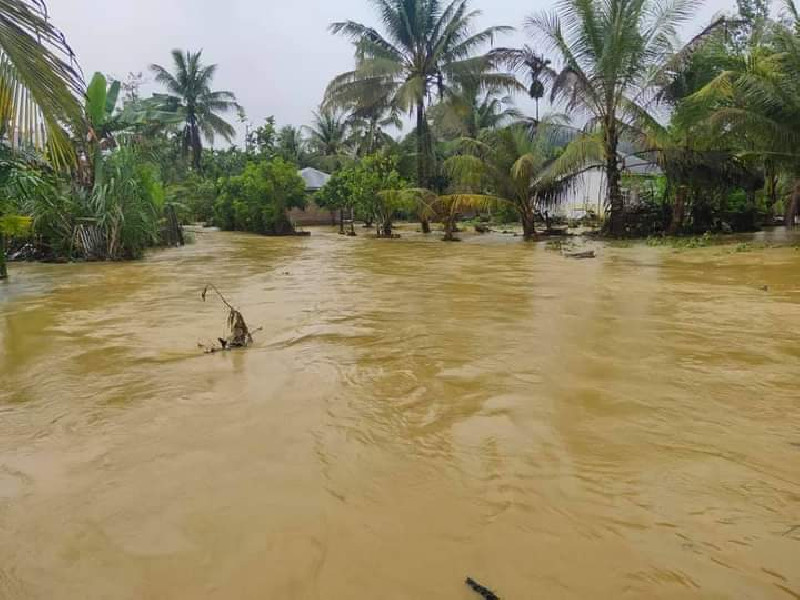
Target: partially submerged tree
510, 166
426, 43
614, 55
40, 84
259, 199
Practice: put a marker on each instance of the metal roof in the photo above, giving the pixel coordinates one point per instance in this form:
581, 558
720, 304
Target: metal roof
314, 179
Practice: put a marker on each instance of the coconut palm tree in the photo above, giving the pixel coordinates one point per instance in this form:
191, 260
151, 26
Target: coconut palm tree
535, 66
40, 84
614, 55
189, 92
508, 165
739, 97
471, 109
328, 133
291, 145
328, 136
425, 44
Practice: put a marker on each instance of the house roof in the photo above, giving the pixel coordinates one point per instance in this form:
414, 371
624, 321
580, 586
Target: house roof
314, 179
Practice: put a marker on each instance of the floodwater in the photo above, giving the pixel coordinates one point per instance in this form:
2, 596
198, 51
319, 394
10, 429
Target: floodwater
412, 413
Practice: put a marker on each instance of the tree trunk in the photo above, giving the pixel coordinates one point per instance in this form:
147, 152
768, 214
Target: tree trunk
385, 229
528, 225
770, 193
613, 191
3, 268
422, 180
793, 205
449, 229
197, 146
678, 210
422, 146
341, 221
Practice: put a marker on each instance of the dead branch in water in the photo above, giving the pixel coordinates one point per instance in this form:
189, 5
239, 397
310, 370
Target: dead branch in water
240, 335
482, 591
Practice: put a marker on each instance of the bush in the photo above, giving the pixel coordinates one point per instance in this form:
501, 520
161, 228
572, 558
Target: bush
257, 200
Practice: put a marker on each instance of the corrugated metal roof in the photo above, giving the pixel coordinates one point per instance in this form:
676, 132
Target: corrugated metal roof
314, 179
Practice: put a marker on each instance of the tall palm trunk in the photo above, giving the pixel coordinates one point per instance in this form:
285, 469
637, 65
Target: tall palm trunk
197, 148
528, 222
613, 190
421, 179
422, 146
3, 269
678, 210
793, 205
770, 193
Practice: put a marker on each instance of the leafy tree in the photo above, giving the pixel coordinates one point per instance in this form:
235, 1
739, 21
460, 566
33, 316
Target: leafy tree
337, 194
190, 94
262, 140
373, 188
259, 198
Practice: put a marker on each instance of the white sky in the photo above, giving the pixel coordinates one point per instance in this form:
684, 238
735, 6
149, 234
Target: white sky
275, 55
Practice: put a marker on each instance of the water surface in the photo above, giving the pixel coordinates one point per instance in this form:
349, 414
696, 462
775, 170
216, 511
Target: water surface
412, 413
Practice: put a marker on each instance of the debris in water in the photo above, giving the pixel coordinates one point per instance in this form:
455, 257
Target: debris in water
240, 336
586, 254
484, 592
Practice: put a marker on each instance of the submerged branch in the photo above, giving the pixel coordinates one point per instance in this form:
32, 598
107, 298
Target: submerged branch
240, 335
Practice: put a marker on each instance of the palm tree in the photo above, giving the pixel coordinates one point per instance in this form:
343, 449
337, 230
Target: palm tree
327, 137
614, 55
190, 93
748, 105
536, 67
39, 86
509, 165
291, 145
425, 45
471, 109
40, 83
366, 120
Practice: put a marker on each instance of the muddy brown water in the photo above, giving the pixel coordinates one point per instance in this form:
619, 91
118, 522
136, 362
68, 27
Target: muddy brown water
413, 412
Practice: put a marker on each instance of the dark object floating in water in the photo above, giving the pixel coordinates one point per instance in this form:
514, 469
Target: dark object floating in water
587, 254
764, 288
240, 336
484, 592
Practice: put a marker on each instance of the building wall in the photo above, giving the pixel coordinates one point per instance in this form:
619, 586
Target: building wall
311, 215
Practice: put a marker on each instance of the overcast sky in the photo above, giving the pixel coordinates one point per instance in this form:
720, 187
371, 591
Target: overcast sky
275, 55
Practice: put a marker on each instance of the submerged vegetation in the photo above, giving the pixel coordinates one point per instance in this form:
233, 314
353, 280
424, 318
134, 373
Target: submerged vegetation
687, 139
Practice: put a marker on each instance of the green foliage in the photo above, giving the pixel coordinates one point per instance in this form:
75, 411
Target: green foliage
194, 199
426, 45
190, 94
703, 241
263, 138
258, 199
39, 84
372, 187
127, 208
